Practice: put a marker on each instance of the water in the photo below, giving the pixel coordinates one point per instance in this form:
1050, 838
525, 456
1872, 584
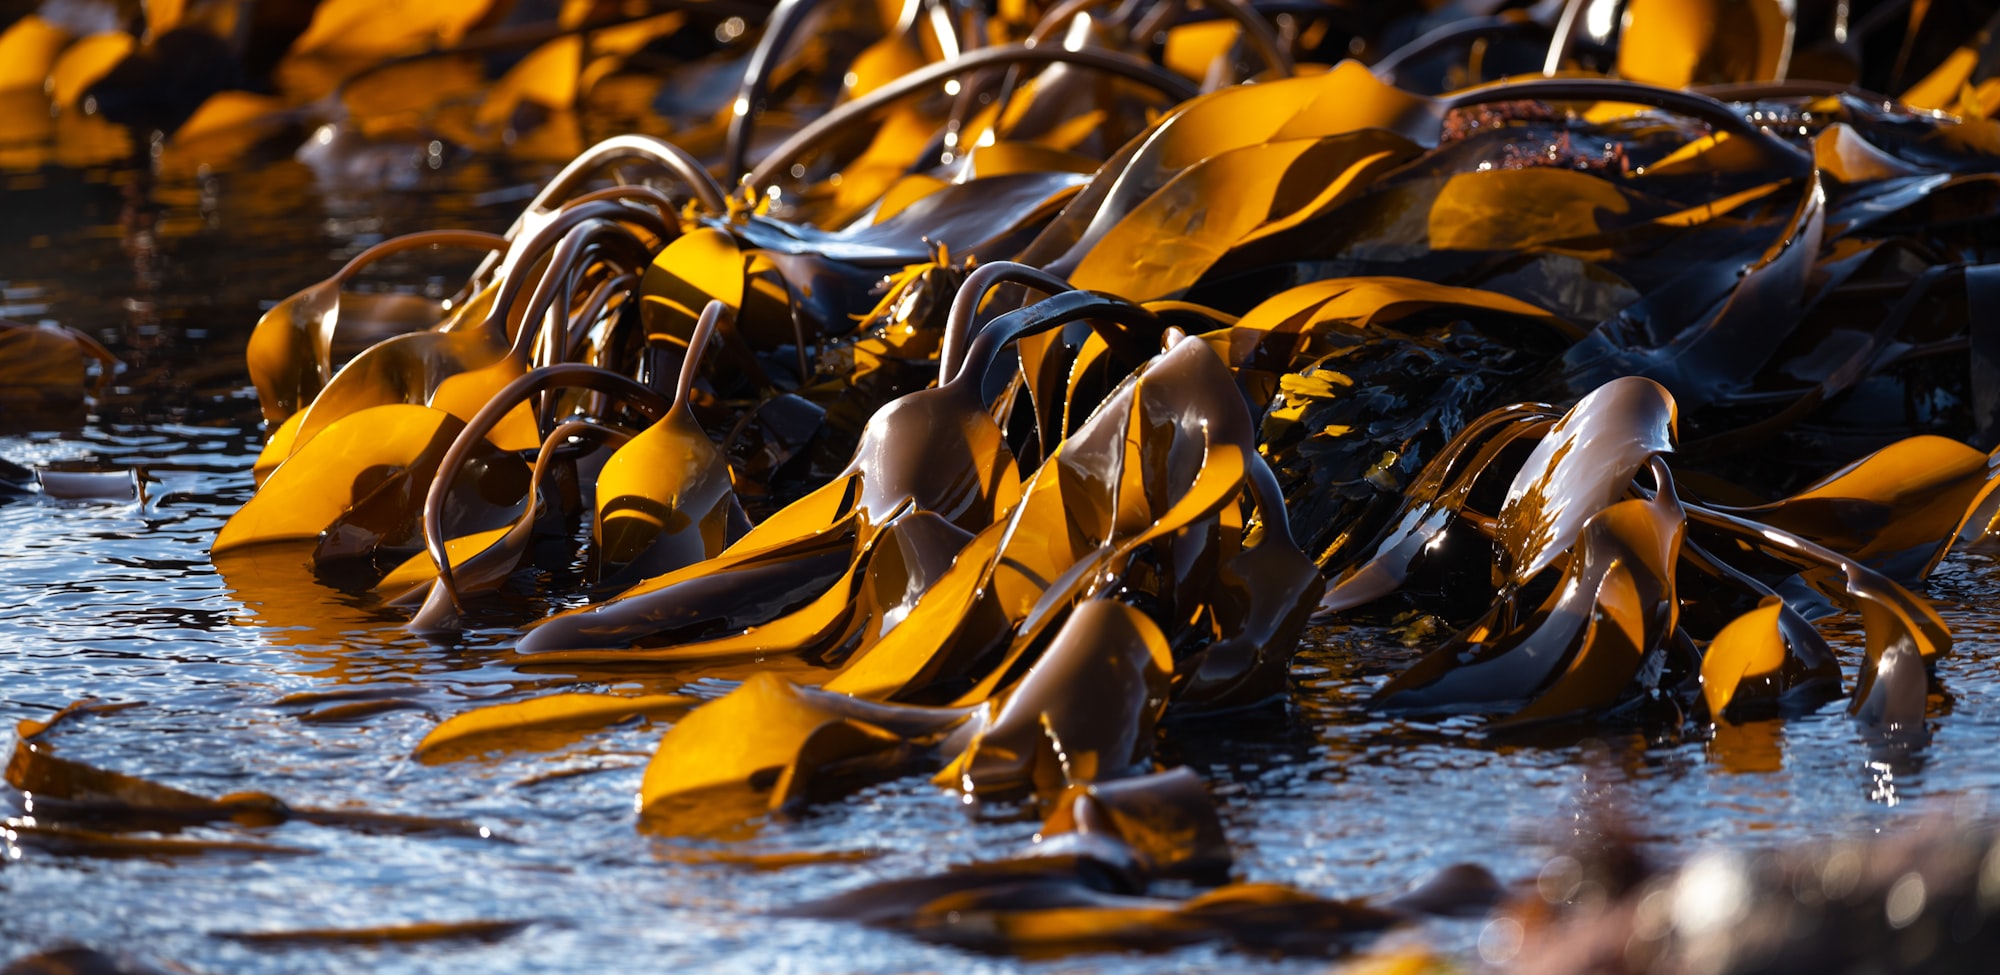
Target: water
119, 601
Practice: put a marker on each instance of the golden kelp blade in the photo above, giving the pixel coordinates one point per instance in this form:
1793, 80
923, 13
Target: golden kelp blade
757, 749
1677, 43
497, 725
664, 498
1224, 201
396, 448
1346, 99
1763, 655
29, 48
1895, 509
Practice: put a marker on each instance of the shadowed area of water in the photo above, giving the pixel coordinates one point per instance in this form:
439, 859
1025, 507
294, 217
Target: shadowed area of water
119, 601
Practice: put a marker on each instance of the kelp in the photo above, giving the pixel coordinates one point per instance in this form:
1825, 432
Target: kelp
45, 370
988, 392
83, 810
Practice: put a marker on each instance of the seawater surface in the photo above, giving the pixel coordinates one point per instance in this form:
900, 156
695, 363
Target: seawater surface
259, 679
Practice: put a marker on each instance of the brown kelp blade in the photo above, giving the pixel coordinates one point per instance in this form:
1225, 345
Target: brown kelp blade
1157, 460
1614, 606
1084, 712
1586, 462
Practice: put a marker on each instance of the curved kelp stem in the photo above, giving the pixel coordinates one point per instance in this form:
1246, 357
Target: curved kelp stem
568, 374
591, 242
780, 160
617, 149
958, 328
639, 193
1268, 498
549, 236
628, 148
1119, 322
712, 314
1717, 114
1563, 37
666, 499
468, 239
1457, 32
1896, 621
778, 30
594, 309
493, 562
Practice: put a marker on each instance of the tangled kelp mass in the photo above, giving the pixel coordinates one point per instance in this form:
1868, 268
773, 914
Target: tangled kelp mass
976, 393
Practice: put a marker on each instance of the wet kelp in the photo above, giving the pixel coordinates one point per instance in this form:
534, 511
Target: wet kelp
989, 410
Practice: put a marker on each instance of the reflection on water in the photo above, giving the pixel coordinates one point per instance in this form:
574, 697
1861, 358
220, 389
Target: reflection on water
253, 676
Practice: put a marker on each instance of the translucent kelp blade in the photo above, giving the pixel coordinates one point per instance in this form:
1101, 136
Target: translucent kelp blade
754, 750
504, 725
357, 28
395, 445
1346, 99
1894, 510
1675, 44
664, 498
1277, 334
1762, 656
1167, 242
